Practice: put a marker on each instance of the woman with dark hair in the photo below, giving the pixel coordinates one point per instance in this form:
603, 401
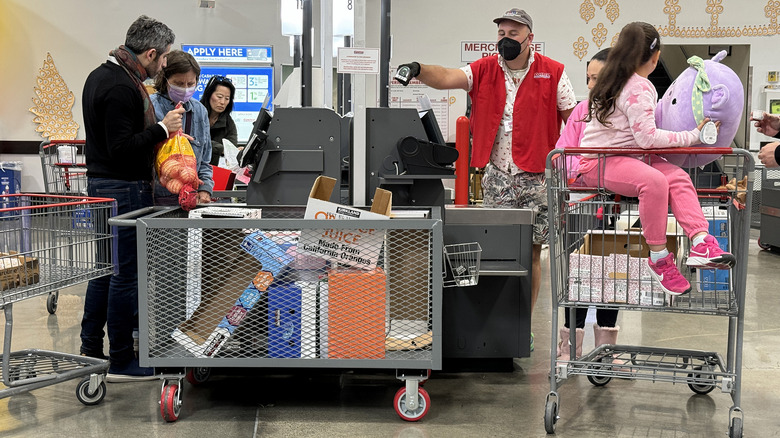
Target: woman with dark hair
621, 114
177, 83
605, 330
218, 100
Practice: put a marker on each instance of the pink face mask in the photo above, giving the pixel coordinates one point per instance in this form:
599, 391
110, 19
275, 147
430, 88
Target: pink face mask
180, 94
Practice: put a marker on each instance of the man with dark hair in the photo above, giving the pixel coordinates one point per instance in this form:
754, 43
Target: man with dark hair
121, 134
519, 99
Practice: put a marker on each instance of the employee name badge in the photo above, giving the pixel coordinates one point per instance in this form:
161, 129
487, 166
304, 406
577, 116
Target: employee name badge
507, 126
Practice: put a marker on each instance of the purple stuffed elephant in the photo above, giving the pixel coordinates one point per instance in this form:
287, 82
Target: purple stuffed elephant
705, 89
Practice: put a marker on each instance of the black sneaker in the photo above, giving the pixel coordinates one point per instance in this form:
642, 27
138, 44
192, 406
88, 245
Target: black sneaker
131, 372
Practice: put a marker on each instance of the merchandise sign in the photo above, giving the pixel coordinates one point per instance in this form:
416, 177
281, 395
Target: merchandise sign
358, 60
471, 51
230, 54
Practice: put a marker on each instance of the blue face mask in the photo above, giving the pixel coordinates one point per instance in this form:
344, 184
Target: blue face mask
180, 94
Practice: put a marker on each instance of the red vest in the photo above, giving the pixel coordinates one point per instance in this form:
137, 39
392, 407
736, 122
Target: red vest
536, 123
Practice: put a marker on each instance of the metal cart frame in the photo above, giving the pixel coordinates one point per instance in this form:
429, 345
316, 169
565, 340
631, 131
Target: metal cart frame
155, 224
702, 371
64, 167
48, 242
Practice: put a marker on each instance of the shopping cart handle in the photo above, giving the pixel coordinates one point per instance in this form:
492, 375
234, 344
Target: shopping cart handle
128, 219
659, 151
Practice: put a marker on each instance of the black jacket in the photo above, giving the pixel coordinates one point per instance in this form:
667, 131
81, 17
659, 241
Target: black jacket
224, 127
117, 144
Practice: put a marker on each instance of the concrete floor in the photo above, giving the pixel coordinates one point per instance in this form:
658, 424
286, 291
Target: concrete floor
257, 402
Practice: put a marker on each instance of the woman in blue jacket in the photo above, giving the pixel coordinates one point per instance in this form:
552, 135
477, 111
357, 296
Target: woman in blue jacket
176, 83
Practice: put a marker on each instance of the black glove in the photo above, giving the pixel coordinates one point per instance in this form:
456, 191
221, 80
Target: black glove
406, 72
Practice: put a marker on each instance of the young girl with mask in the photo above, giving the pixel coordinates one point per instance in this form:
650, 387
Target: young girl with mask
621, 114
177, 83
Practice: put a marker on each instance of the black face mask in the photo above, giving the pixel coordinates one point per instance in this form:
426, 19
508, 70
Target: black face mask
510, 49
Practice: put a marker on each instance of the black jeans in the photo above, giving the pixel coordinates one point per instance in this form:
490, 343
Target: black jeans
113, 300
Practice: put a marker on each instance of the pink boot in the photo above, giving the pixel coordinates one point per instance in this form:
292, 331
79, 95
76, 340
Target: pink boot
564, 346
608, 336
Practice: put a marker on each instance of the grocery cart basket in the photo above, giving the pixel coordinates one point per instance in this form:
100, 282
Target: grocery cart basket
64, 173
232, 286
462, 264
64, 167
49, 242
598, 258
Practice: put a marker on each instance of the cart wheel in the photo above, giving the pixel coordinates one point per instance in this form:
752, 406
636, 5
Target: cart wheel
423, 403
599, 380
764, 245
735, 429
699, 388
199, 375
51, 302
90, 399
170, 402
550, 416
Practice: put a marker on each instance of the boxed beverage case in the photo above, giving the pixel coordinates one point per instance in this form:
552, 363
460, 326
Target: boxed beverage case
356, 313
359, 248
17, 270
284, 320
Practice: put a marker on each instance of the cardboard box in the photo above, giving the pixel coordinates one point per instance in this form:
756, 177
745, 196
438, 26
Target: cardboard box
192, 339
612, 278
212, 292
630, 242
715, 279
358, 248
17, 270
356, 313
718, 218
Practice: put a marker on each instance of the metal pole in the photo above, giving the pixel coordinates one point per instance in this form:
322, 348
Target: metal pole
384, 54
306, 59
347, 98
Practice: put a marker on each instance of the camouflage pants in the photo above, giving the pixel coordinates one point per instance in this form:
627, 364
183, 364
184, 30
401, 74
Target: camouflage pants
524, 190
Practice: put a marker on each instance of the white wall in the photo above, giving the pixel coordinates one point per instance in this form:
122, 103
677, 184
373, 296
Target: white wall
80, 34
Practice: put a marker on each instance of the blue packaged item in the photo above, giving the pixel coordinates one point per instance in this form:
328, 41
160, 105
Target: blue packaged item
10, 183
715, 279
266, 251
284, 320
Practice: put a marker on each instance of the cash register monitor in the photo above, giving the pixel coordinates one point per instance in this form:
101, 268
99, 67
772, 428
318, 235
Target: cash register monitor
431, 126
256, 138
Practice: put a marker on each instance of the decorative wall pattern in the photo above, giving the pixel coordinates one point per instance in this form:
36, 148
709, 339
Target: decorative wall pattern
53, 104
672, 9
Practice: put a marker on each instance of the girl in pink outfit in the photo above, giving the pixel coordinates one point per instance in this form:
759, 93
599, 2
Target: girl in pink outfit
621, 114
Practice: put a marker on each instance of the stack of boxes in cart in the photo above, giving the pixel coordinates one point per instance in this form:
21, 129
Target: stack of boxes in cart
716, 279
320, 293
610, 266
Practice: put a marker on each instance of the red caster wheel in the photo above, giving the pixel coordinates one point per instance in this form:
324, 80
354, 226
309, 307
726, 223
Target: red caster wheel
423, 404
170, 402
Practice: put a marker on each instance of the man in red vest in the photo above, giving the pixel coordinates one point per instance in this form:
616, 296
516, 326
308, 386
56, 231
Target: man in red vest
519, 99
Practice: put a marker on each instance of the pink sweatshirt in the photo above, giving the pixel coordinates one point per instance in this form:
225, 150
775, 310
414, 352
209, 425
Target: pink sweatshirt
633, 124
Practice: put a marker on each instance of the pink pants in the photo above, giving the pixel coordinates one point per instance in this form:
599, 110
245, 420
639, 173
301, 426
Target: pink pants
658, 185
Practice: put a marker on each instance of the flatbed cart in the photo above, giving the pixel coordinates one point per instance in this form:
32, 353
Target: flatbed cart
286, 292
49, 242
598, 258
64, 167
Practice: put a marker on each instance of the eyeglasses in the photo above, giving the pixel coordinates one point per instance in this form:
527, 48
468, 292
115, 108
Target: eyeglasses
218, 78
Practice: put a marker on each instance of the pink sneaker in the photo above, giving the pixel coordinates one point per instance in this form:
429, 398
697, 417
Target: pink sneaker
709, 255
668, 276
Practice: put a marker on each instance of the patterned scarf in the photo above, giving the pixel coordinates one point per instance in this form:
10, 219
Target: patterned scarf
700, 85
137, 73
